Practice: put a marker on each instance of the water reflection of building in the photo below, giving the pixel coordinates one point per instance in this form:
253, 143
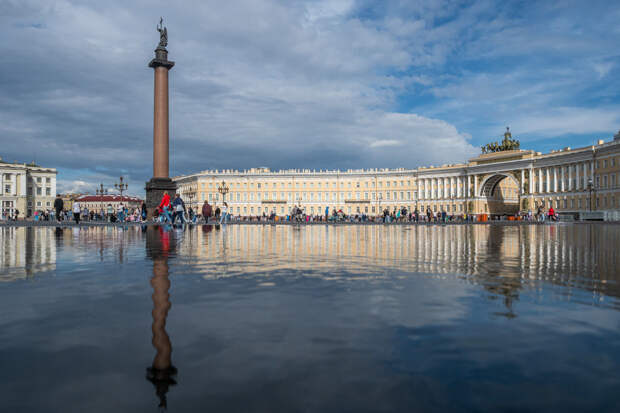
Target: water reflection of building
160, 244
503, 258
26, 251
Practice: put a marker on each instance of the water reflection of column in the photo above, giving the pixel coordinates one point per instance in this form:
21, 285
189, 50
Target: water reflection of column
161, 373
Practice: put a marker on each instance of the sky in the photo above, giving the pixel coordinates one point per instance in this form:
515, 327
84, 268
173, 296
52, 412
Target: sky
318, 84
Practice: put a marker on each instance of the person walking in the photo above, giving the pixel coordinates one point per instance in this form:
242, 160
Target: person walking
178, 206
164, 208
224, 213
207, 211
217, 213
58, 206
76, 212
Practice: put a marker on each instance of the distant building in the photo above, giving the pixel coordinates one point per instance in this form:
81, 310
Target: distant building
26, 188
67, 200
96, 202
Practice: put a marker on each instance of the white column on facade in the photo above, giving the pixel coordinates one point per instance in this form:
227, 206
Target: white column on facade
475, 186
432, 188
540, 180
425, 181
522, 180
562, 187
592, 172
548, 180
530, 185
578, 179
468, 186
570, 178
22, 184
452, 187
585, 175
14, 184
446, 194
555, 179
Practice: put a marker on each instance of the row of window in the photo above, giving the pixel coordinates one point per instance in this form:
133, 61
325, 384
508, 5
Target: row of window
611, 162
311, 196
8, 189
599, 201
40, 204
326, 185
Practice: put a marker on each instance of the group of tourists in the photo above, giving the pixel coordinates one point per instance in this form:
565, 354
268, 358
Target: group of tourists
174, 211
541, 216
79, 213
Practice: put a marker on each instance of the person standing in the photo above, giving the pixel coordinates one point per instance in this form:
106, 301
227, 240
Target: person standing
76, 212
110, 212
58, 206
207, 211
120, 212
217, 213
143, 212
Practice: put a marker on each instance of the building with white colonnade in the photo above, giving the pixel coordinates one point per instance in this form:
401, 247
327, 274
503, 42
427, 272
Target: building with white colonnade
571, 180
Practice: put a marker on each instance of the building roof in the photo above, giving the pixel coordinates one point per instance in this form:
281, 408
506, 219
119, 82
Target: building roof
107, 198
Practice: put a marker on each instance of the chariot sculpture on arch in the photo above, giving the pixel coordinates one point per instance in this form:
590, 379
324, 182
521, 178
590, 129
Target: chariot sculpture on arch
163, 33
508, 144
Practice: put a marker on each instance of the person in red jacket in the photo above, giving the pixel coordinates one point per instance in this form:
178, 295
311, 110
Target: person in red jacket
164, 207
551, 213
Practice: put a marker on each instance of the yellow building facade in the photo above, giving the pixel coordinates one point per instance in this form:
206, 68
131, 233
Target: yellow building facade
507, 182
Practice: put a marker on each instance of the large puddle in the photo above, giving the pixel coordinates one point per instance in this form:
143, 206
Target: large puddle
317, 318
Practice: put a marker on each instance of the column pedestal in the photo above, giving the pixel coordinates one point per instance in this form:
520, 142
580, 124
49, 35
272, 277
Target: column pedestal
155, 189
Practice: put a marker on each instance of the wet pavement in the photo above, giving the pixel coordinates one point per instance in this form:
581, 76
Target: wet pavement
310, 318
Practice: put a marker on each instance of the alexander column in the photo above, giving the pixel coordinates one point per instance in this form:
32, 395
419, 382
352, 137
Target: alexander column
160, 182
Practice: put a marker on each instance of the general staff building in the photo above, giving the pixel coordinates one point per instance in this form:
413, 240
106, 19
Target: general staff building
497, 183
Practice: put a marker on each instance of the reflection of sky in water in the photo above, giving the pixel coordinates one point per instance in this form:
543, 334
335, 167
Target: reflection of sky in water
351, 318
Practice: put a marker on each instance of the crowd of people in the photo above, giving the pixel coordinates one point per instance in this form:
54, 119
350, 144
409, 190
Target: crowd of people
174, 211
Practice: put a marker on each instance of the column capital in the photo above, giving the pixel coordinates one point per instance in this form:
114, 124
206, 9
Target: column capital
161, 59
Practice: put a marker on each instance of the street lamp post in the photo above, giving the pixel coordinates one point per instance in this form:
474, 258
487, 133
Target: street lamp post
121, 186
100, 192
223, 189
